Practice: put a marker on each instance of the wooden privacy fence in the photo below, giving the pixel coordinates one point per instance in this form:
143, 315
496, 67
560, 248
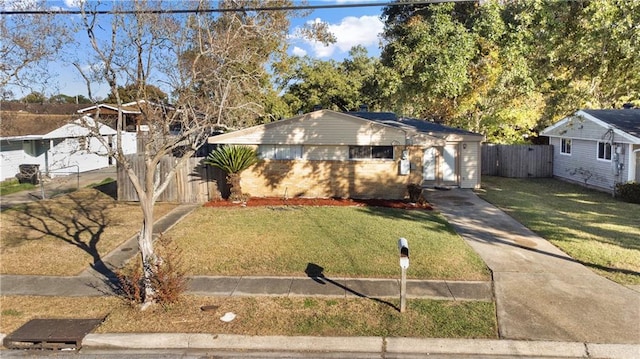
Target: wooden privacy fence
193, 182
518, 161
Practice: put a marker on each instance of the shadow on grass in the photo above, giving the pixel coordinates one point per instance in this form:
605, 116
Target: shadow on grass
315, 272
79, 219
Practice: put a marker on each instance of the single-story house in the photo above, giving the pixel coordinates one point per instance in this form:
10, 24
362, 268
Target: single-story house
62, 151
597, 148
355, 155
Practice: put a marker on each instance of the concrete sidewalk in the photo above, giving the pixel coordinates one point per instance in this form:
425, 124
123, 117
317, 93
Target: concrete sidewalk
541, 293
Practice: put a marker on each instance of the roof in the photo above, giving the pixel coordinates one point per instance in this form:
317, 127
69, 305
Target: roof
625, 124
415, 124
80, 128
627, 120
413, 131
126, 108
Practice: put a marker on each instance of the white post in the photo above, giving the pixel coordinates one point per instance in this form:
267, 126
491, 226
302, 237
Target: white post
403, 290
403, 246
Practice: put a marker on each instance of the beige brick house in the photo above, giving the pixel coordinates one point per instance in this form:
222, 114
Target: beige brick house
355, 155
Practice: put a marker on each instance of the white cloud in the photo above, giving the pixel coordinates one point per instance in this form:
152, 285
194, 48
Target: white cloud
298, 51
73, 3
351, 31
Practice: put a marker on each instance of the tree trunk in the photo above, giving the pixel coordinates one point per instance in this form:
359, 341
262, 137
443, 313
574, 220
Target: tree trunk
145, 244
233, 179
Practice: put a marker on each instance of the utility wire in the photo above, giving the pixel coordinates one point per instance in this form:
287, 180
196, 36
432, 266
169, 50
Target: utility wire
223, 10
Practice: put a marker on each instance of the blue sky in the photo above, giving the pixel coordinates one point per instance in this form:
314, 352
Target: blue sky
351, 26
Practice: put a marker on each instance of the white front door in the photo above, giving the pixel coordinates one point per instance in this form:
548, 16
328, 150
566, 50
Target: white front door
429, 164
449, 164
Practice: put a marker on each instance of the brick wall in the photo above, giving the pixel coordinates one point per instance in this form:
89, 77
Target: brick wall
349, 179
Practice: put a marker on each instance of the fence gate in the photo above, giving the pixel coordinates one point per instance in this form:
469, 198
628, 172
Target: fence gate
517, 161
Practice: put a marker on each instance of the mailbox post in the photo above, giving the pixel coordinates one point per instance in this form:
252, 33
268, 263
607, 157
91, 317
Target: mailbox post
403, 247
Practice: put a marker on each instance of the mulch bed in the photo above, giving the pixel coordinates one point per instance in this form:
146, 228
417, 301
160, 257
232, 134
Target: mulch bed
317, 202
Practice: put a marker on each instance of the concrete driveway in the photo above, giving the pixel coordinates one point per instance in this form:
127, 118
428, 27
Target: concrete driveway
57, 185
541, 293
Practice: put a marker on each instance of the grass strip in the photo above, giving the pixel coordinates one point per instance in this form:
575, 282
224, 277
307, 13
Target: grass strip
269, 316
13, 186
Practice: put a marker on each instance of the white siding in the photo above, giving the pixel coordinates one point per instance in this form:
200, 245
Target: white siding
317, 128
582, 164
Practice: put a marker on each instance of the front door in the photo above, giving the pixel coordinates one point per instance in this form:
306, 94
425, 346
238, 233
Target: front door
439, 166
448, 170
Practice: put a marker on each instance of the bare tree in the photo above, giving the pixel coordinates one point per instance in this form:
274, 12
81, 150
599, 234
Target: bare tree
214, 64
28, 43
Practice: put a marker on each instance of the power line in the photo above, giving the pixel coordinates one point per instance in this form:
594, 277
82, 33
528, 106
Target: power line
240, 9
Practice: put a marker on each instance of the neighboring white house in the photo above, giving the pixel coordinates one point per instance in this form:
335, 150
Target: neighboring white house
67, 149
598, 148
357, 155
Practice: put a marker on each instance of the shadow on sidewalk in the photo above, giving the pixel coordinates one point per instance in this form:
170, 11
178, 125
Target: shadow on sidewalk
315, 272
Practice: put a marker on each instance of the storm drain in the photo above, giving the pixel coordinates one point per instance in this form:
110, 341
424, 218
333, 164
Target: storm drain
51, 334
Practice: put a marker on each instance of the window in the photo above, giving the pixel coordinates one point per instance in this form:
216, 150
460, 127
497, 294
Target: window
566, 146
367, 152
280, 152
604, 151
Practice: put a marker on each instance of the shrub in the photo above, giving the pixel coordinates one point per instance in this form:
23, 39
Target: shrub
169, 281
628, 192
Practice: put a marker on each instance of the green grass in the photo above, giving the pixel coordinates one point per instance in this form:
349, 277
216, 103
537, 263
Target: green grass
591, 226
103, 182
345, 241
12, 186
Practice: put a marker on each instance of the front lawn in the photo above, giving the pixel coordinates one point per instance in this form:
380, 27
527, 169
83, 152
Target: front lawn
64, 235
591, 226
345, 241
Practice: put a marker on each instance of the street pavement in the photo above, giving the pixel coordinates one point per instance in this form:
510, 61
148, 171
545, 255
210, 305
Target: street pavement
548, 305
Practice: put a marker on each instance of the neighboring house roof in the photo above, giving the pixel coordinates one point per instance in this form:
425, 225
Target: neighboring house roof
77, 128
41, 108
625, 123
627, 120
20, 119
80, 128
127, 108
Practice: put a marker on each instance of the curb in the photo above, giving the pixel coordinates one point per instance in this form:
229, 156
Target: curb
414, 346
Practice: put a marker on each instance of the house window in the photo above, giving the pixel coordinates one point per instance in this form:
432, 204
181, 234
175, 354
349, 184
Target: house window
604, 151
368, 152
566, 146
280, 152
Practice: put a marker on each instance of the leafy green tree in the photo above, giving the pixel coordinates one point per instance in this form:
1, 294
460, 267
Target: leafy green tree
34, 97
233, 159
62, 98
430, 51
507, 69
340, 86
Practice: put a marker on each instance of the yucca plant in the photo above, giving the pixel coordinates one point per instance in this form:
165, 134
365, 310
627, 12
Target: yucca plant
233, 159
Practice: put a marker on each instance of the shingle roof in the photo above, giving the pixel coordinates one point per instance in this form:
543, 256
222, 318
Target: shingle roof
390, 118
627, 120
